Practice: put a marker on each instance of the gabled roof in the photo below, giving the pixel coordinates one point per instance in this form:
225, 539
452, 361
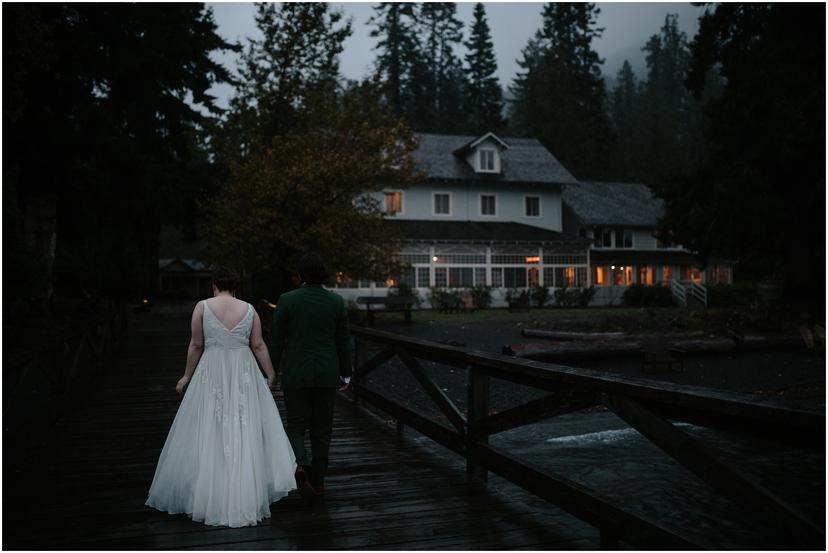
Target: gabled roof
479, 232
182, 265
525, 161
627, 204
468, 146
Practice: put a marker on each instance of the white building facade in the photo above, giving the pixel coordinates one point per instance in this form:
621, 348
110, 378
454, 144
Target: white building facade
505, 213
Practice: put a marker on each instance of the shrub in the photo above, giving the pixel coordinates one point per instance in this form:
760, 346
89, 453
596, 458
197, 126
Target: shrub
641, 295
354, 312
574, 297
442, 298
585, 296
730, 295
540, 294
481, 296
403, 289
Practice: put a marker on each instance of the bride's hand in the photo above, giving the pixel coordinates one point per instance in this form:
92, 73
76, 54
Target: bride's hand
181, 384
271, 383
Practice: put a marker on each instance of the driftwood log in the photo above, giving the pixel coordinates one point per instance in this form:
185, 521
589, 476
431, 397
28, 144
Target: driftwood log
579, 351
597, 336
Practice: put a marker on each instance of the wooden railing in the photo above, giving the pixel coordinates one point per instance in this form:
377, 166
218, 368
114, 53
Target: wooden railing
679, 292
43, 383
647, 406
698, 291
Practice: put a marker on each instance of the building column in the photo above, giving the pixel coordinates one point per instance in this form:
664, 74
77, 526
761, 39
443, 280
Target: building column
431, 280
541, 281
488, 265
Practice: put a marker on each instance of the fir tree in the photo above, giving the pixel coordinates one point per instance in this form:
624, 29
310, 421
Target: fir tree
560, 96
441, 32
484, 98
625, 106
399, 63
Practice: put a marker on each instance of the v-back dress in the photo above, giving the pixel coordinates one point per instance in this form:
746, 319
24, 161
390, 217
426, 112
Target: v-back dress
227, 457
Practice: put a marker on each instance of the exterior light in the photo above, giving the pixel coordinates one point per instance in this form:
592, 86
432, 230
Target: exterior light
434, 258
146, 301
612, 267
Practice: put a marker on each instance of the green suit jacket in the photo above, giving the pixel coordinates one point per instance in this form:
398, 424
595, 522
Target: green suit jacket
309, 340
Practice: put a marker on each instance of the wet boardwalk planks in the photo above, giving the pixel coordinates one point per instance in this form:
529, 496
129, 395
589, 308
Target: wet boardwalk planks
85, 486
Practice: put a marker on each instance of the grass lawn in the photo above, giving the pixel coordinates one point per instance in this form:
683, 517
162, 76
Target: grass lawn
591, 319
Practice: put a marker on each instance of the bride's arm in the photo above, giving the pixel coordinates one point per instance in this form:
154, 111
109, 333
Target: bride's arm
259, 348
195, 349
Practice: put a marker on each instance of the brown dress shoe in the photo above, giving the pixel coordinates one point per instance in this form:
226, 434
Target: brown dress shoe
302, 485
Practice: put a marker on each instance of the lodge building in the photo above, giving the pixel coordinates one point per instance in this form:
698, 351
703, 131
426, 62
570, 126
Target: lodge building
505, 213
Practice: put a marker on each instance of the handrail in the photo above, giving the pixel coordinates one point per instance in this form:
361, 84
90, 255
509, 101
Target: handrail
679, 292
646, 405
698, 291
53, 372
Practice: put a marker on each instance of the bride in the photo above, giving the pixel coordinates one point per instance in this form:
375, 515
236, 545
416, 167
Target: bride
227, 457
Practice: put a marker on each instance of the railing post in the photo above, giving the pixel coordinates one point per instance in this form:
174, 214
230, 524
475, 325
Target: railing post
360, 356
478, 411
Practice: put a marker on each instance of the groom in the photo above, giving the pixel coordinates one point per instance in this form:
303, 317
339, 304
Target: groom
310, 343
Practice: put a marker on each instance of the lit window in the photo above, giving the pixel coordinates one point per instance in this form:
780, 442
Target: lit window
442, 204
487, 205
532, 206
487, 160
393, 203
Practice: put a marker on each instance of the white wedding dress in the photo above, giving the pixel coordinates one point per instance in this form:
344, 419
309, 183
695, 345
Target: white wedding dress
227, 457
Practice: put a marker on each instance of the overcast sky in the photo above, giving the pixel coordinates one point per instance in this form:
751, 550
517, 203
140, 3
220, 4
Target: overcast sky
627, 26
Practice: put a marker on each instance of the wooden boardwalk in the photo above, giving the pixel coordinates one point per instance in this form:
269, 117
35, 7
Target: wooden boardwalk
85, 484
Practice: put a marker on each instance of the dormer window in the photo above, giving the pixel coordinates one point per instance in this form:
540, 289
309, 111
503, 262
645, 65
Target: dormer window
486, 160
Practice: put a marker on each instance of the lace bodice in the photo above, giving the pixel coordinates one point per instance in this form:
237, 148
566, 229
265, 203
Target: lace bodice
216, 335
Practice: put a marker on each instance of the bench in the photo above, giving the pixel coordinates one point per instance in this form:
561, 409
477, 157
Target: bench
390, 303
655, 357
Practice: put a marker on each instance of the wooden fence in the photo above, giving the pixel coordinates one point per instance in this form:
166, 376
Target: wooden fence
43, 383
647, 406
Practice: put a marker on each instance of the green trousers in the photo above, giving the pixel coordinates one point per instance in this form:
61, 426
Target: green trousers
310, 409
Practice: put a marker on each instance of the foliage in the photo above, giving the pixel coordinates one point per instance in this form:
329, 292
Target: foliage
540, 294
297, 56
731, 295
306, 190
560, 96
403, 289
483, 96
642, 295
759, 196
444, 299
573, 297
399, 63
481, 296
441, 31
106, 145
355, 314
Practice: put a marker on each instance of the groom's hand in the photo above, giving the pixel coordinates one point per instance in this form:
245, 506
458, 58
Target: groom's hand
343, 388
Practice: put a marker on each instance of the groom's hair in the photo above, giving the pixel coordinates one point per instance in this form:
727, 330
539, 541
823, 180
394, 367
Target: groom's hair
311, 269
225, 279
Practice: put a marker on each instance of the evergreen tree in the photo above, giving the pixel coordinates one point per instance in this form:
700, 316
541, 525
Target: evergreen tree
441, 31
560, 96
399, 62
759, 196
106, 146
484, 98
669, 111
625, 108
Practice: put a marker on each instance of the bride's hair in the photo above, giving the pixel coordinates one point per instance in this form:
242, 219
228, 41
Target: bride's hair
311, 269
225, 279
